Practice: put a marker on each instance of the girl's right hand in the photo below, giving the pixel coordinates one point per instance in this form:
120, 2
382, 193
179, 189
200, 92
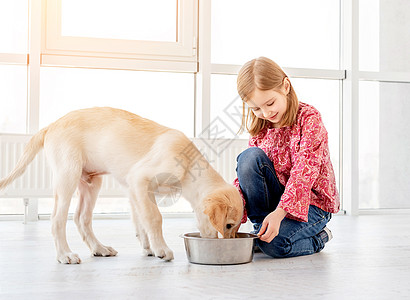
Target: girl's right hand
271, 224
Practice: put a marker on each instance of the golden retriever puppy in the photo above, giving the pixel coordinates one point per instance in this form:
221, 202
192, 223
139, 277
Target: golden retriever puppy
85, 144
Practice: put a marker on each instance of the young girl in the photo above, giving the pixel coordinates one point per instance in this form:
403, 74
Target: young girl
285, 176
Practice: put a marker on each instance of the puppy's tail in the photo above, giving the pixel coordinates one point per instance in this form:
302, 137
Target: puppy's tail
35, 144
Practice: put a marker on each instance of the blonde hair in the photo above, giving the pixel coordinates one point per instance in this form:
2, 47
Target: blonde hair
264, 74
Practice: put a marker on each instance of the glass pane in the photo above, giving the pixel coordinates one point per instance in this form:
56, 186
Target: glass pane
294, 33
384, 35
322, 94
13, 99
167, 98
14, 26
154, 20
226, 105
384, 145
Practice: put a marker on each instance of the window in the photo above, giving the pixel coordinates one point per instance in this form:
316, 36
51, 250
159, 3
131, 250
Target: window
383, 104
13, 95
295, 33
314, 41
13, 70
121, 33
226, 105
13, 26
120, 19
384, 35
384, 145
152, 95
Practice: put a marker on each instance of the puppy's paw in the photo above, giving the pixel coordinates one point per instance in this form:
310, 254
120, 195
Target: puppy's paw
148, 252
104, 251
165, 254
69, 258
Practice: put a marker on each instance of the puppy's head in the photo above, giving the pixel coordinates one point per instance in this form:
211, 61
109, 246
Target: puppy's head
224, 208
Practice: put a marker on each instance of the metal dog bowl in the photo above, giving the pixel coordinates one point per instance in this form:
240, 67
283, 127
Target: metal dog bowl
209, 251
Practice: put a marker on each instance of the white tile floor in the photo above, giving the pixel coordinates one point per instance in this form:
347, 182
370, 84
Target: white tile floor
369, 258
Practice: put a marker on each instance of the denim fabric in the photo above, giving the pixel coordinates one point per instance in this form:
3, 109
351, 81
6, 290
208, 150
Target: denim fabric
259, 184
262, 191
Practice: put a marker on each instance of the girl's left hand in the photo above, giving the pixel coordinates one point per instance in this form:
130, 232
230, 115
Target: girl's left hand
271, 224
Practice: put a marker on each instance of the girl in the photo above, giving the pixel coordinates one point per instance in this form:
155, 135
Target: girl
285, 176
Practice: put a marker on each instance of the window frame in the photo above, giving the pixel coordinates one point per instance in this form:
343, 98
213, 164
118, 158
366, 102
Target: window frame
179, 56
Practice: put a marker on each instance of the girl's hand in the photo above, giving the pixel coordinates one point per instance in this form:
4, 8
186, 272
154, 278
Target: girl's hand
271, 224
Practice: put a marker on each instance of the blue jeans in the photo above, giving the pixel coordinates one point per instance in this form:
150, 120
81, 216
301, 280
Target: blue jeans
262, 191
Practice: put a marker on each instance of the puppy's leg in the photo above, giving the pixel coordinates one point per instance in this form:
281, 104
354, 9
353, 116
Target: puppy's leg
64, 187
149, 217
140, 232
88, 193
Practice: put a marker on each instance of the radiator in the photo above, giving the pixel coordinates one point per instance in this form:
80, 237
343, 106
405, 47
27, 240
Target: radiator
37, 180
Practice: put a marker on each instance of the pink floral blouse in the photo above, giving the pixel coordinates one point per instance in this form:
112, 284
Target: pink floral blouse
300, 155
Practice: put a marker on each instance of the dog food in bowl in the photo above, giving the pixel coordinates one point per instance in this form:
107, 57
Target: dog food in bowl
211, 251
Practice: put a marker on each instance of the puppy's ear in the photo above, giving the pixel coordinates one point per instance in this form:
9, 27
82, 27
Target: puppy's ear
235, 233
216, 209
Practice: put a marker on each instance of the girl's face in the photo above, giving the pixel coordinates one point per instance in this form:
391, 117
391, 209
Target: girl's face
270, 104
